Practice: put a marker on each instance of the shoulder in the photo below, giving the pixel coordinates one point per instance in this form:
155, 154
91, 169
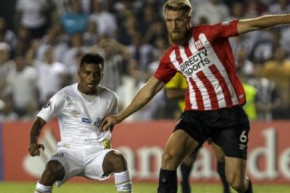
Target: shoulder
107, 93
67, 91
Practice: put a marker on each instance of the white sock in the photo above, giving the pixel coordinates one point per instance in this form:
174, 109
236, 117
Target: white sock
42, 189
123, 182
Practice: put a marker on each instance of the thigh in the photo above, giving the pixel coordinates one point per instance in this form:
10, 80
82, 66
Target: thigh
71, 162
179, 145
94, 165
218, 151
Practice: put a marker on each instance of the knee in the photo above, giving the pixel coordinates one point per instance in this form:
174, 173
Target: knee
167, 157
120, 163
114, 162
170, 161
236, 182
53, 172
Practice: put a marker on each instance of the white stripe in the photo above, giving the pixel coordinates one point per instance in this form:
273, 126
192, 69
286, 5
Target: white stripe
173, 60
220, 67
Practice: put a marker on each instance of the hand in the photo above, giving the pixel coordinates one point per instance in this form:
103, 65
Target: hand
109, 122
34, 149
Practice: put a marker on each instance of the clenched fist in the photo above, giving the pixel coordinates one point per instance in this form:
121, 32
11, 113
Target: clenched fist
34, 149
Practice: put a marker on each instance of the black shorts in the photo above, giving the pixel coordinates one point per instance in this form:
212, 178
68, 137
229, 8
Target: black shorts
228, 128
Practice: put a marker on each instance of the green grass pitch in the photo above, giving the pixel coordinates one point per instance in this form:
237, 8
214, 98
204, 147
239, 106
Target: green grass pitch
97, 187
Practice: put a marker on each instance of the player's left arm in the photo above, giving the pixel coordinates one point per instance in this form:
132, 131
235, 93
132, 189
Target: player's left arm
262, 22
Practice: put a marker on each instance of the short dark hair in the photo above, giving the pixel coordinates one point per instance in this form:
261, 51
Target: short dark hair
92, 58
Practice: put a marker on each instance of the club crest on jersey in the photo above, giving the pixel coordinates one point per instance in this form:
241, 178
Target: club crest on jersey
86, 120
98, 122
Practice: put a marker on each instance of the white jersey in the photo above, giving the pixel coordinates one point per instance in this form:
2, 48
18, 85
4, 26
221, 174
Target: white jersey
80, 120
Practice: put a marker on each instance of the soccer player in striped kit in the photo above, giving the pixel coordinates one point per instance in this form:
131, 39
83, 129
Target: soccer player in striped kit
214, 96
83, 149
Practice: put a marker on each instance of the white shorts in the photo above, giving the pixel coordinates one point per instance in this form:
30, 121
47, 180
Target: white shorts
85, 161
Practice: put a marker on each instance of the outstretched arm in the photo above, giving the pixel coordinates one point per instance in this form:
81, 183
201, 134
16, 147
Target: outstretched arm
34, 134
263, 22
144, 95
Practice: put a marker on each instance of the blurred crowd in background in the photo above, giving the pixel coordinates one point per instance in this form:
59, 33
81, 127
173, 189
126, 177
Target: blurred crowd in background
42, 41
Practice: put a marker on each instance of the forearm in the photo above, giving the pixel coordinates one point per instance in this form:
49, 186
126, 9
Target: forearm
144, 95
36, 130
139, 101
263, 22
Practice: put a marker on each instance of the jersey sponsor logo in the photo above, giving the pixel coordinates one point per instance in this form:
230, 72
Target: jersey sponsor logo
74, 113
195, 62
86, 120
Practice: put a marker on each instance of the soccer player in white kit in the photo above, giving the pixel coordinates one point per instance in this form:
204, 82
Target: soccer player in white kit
82, 150
214, 96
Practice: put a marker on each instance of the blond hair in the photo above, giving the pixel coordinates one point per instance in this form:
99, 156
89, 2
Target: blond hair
176, 5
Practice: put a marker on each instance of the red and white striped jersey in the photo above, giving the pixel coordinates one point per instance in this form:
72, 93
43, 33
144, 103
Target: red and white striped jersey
207, 62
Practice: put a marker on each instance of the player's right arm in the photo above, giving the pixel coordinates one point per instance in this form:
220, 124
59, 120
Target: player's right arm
34, 147
144, 95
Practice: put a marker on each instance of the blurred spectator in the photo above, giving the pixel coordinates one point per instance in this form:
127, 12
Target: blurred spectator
34, 15
278, 70
155, 109
254, 8
147, 18
263, 50
8, 35
156, 31
250, 91
174, 92
142, 52
243, 65
22, 87
91, 35
76, 44
126, 29
106, 22
75, 20
52, 75
213, 10
237, 10
53, 38
23, 40
6, 64
6, 112
279, 7
116, 58
268, 99
250, 105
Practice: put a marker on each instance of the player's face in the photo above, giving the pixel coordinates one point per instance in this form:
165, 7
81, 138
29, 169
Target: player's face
90, 76
178, 24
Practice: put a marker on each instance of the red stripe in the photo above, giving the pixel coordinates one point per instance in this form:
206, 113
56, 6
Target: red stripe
187, 50
223, 84
198, 96
210, 89
177, 55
